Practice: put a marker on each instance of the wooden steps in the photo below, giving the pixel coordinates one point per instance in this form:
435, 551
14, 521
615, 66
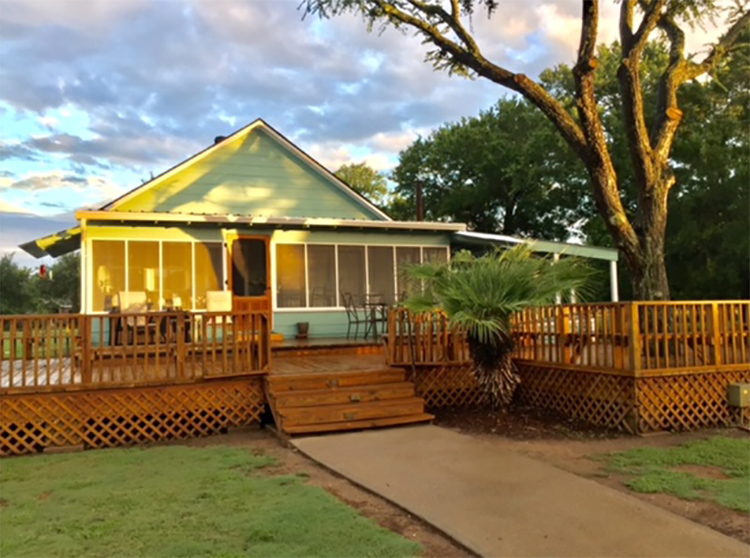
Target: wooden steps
338, 401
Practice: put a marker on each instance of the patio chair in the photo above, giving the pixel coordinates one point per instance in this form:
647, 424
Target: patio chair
218, 302
136, 327
355, 315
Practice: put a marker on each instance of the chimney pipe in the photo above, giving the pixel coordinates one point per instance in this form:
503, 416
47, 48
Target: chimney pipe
420, 202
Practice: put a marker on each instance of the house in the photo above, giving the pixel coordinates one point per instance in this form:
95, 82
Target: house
256, 216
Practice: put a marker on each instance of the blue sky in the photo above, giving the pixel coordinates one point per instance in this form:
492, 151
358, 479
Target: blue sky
98, 95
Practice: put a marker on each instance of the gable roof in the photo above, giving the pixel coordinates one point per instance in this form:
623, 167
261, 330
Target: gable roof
354, 204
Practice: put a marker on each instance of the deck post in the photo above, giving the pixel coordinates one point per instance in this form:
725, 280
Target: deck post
716, 329
634, 335
613, 285
86, 334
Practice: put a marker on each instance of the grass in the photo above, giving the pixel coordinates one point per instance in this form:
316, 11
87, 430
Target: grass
655, 470
176, 501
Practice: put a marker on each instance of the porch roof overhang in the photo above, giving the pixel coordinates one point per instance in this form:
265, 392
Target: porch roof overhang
544, 246
265, 222
56, 244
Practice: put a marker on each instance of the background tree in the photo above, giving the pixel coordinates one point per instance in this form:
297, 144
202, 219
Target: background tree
481, 294
497, 172
365, 180
63, 288
23, 291
18, 288
707, 249
650, 130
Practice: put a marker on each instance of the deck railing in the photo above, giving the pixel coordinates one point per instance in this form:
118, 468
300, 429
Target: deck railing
638, 338
74, 351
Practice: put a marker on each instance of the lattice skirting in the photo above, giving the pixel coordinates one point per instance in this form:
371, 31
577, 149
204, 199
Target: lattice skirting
688, 401
105, 418
446, 386
601, 399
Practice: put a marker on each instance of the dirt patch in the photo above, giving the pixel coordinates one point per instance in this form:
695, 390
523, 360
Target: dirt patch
577, 448
522, 423
291, 462
702, 471
3, 503
45, 496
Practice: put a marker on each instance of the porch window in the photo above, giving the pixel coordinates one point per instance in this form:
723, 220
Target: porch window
435, 255
352, 272
290, 276
143, 269
177, 261
381, 273
321, 275
405, 257
209, 271
108, 268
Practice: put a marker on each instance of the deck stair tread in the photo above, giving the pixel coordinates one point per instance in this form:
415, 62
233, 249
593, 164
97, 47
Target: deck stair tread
359, 424
352, 411
339, 400
321, 380
301, 398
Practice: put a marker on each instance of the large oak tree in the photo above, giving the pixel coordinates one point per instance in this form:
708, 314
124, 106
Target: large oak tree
649, 131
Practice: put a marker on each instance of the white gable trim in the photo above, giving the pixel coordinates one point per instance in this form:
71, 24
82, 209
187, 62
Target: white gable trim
244, 132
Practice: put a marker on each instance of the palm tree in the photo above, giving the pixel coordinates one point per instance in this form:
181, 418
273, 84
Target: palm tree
480, 294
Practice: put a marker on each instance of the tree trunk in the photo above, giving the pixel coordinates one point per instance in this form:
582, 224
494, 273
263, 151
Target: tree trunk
642, 243
494, 370
649, 275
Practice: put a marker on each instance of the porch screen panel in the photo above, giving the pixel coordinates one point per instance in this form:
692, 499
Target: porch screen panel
321, 275
108, 269
435, 255
405, 257
290, 276
177, 262
382, 279
143, 269
352, 277
209, 271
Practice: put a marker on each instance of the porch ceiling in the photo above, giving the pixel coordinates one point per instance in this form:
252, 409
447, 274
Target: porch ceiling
544, 246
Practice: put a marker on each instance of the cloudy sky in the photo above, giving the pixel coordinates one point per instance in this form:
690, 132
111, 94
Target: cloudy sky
98, 95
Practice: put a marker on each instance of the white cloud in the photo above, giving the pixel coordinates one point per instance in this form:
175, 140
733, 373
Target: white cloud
150, 83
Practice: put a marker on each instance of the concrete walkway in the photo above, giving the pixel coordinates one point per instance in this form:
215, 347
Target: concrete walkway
499, 503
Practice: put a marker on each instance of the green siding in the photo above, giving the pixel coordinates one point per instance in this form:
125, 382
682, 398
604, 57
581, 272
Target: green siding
253, 174
322, 324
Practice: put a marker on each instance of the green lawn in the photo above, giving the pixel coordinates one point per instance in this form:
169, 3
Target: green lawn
654, 470
176, 501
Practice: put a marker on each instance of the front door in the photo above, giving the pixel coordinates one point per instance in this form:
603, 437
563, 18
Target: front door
249, 278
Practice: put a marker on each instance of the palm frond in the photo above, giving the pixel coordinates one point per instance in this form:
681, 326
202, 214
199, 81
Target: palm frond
482, 293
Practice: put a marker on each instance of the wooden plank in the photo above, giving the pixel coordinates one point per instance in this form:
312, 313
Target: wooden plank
340, 396
359, 424
297, 416
304, 382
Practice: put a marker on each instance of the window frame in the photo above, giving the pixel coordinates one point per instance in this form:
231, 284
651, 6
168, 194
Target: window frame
365, 245
89, 302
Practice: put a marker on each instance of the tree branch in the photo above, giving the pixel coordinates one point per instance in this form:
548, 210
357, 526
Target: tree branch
678, 72
469, 55
631, 89
599, 162
721, 48
651, 15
